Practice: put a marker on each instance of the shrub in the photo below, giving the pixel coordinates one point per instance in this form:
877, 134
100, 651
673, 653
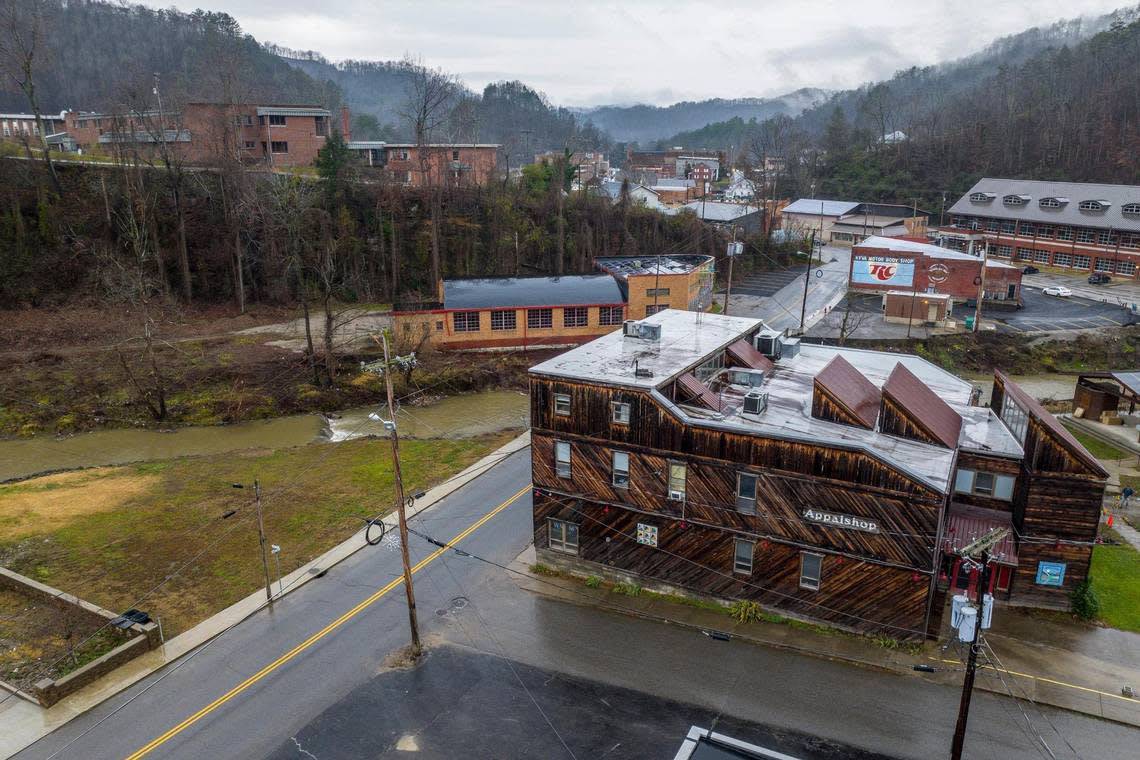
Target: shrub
745, 612
1083, 601
628, 589
594, 581
540, 569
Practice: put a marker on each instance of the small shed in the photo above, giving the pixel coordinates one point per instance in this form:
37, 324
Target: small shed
1100, 392
917, 308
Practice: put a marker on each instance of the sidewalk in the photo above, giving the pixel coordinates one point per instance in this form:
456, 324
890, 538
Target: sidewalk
22, 723
1078, 668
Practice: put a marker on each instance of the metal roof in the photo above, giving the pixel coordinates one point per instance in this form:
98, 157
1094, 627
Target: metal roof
923, 406
292, 111
743, 352
1032, 407
716, 211
1130, 380
1069, 213
927, 249
698, 391
507, 292
820, 207
855, 393
969, 523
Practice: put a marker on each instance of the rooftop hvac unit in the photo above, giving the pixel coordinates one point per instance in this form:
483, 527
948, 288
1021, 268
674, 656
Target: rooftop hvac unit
789, 347
755, 402
629, 328
753, 378
768, 343
641, 330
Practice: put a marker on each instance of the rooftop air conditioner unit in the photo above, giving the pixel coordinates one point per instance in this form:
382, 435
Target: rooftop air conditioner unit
789, 347
649, 332
768, 343
755, 402
629, 328
753, 378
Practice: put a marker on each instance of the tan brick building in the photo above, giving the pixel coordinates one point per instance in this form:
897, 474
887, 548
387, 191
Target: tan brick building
202, 133
651, 284
444, 165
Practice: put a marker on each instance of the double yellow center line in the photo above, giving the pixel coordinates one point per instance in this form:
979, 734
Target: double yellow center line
309, 642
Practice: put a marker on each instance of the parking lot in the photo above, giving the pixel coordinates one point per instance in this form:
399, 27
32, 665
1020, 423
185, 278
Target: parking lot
766, 283
1042, 313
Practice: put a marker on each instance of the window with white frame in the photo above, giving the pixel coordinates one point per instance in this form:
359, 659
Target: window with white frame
651, 292
981, 197
620, 412
1106, 237
610, 315
276, 120
1130, 241
1041, 257
562, 404
1045, 231
575, 316
811, 570
1064, 233
1008, 227
1130, 209
1025, 254
1126, 268
1049, 203
742, 556
992, 225
988, 484
1104, 265
620, 469
1085, 235
1081, 262
652, 308
1014, 200
562, 462
279, 146
1062, 259
1091, 206
677, 475
503, 319
1005, 251
1026, 230
563, 536
746, 492
465, 321
539, 319
1014, 418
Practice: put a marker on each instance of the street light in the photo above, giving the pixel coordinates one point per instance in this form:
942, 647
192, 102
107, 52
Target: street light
275, 550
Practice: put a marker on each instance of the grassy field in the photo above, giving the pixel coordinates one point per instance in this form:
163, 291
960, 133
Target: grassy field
1099, 448
110, 535
1115, 574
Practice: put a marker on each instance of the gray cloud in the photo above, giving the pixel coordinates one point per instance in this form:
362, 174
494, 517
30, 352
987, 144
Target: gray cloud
589, 52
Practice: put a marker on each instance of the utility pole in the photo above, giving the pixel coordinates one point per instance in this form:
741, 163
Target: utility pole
807, 281
981, 288
529, 157
734, 250
971, 663
260, 537
413, 623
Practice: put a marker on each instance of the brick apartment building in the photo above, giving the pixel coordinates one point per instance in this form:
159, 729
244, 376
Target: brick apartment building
675, 162
14, 126
882, 264
1084, 227
705, 454
442, 165
201, 133
651, 284
587, 165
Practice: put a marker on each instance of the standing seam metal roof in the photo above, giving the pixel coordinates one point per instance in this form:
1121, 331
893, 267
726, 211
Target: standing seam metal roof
507, 292
924, 406
857, 394
1068, 214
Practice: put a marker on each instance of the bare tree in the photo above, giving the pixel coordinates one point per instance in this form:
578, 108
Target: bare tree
427, 107
21, 37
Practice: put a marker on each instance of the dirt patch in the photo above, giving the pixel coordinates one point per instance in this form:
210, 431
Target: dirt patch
47, 503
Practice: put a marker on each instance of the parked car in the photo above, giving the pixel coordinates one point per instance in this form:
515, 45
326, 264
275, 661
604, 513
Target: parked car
1057, 290
1099, 278
1030, 270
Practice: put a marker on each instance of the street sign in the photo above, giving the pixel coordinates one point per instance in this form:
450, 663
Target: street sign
735, 249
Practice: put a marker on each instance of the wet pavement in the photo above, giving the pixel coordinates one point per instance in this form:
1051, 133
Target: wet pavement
1041, 313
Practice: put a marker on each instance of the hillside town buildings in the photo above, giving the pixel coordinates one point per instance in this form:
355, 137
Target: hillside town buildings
651, 284
708, 455
435, 165
849, 222
1085, 227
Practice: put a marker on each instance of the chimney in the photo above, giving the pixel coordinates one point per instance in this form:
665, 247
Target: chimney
344, 124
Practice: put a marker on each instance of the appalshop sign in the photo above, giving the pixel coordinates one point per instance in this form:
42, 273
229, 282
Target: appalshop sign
833, 520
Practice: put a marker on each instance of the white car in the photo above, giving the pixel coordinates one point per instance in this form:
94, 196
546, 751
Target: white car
1057, 290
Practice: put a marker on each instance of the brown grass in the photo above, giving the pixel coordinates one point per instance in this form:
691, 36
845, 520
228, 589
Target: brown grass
45, 504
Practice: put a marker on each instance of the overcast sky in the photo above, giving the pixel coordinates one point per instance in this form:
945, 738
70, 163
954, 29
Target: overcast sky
587, 53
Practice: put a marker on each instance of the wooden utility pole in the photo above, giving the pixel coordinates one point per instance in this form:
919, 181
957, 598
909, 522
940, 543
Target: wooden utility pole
981, 288
261, 539
971, 663
807, 281
400, 507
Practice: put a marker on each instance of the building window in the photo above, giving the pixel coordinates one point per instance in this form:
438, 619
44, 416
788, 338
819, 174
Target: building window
981, 197
652, 309
279, 146
1025, 254
1049, 203
575, 316
454, 155
621, 469
1005, 251
562, 404
746, 492
1106, 237
811, 570
1085, 235
1126, 268
992, 225
503, 319
1062, 260
250, 144
1008, 227
620, 412
1014, 200
276, 120
677, 473
1026, 230
1130, 209
742, 556
1104, 265
1015, 418
984, 483
539, 319
610, 315
651, 292
261, 121
321, 125
465, 321
1045, 231
1091, 206
563, 536
247, 120
1130, 241
1081, 262
562, 459
1041, 257
1064, 233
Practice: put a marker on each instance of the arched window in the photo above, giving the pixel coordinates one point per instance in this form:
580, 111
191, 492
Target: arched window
1130, 209
1015, 200
981, 197
1092, 206
1049, 203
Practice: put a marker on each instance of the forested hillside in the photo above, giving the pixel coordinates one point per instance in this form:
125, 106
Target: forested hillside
93, 55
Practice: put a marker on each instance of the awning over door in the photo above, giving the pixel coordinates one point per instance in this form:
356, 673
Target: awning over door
967, 524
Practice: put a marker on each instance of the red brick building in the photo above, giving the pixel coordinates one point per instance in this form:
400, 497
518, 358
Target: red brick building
445, 164
881, 264
1080, 226
202, 133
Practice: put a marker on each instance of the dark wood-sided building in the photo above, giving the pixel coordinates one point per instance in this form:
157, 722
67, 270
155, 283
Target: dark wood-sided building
703, 453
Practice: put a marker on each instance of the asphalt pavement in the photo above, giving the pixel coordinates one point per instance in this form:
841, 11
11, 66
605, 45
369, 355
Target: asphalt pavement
1042, 313
311, 674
